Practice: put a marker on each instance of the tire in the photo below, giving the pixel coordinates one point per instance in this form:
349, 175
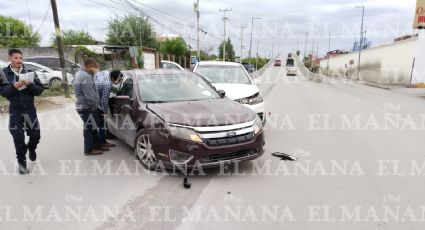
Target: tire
55, 82
144, 152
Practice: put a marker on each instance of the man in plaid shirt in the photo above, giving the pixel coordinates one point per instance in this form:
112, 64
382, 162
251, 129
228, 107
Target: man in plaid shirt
103, 87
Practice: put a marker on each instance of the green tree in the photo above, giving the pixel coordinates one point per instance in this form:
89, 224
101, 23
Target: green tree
230, 52
75, 37
260, 62
176, 47
131, 30
16, 33
204, 55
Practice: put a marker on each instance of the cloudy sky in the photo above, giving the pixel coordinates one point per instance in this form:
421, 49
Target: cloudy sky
282, 27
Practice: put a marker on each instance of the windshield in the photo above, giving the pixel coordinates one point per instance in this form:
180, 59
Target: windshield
223, 74
172, 88
290, 63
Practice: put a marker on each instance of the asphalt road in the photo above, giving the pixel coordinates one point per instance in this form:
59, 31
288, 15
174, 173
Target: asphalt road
361, 165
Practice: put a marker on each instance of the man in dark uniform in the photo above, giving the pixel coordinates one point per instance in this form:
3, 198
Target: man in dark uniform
23, 115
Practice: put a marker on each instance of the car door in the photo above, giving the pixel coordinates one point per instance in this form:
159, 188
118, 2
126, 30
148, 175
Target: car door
124, 111
41, 73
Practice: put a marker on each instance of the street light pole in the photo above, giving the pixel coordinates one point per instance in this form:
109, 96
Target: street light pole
361, 44
305, 47
250, 43
240, 58
329, 56
224, 20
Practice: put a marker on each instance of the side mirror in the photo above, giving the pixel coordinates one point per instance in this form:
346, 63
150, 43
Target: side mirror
222, 93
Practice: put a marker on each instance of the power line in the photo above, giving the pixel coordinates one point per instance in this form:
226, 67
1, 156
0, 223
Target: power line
44, 18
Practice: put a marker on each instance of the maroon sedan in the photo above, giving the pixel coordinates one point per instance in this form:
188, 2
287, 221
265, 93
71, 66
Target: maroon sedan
178, 118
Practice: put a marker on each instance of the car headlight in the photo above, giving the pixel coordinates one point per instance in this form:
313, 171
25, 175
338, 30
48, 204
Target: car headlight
184, 133
258, 126
256, 99
179, 157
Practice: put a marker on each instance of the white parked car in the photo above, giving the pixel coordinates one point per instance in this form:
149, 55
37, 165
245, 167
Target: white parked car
171, 65
48, 76
3, 64
235, 81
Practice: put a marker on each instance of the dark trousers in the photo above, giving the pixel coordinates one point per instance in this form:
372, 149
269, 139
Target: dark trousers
24, 120
90, 129
102, 126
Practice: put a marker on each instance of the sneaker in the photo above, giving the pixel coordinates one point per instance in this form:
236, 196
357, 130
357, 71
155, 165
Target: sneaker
23, 168
94, 152
101, 148
32, 155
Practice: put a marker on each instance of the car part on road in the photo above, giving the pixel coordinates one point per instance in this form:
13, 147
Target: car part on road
186, 184
284, 156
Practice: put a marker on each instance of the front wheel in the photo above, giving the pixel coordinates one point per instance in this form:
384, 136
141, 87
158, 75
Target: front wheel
144, 151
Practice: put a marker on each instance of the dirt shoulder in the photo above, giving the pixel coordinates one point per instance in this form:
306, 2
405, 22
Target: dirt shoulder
42, 103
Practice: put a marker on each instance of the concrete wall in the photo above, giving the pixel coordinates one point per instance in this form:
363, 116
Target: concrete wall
41, 51
387, 64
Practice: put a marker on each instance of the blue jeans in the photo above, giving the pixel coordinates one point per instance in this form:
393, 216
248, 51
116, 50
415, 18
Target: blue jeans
90, 129
102, 126
24, 120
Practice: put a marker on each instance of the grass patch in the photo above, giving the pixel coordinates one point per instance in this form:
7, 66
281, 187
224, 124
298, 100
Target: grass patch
54, 91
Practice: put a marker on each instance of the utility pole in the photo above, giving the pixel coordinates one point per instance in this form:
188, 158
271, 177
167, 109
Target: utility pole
196, 8
272, 49
250, 43
278, 46
328, 55
361, 43
240, 58
58, 34
298, 45
305, 48
256, 60
224, 21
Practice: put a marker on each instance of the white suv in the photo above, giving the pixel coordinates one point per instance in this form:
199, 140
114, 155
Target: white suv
235, 81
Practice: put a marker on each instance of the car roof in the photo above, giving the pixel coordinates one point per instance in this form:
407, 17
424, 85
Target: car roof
39, 65
220, 63
164, 72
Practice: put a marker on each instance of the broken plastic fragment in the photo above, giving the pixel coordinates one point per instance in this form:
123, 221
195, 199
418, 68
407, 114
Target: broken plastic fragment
284, 156
186, 184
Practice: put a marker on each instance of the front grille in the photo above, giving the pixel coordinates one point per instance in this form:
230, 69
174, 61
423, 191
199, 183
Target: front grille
229, 140
214, 158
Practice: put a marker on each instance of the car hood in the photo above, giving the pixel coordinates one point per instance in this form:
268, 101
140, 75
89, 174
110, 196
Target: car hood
217, 112
237, 91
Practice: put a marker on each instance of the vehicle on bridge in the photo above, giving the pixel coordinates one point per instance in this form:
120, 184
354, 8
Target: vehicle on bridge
177, 118
291, 69
277, 63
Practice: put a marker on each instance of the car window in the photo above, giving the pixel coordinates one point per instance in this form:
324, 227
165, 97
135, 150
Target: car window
166, 65
126, 88
224, 74
33, 68
177, 87
68, 64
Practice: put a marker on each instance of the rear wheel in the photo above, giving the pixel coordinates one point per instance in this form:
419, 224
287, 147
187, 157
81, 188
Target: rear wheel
55, 82
144, 151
